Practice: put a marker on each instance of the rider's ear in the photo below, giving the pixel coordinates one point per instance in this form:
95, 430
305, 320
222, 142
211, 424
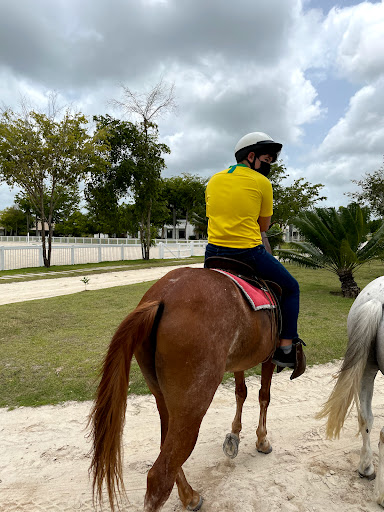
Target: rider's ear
251, 156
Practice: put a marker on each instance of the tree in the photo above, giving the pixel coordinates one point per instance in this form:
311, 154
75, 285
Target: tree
289, 201
185, 197
66, 201
45, 158
336, 241
200, 222
77, 224
25, 206
372, 191
14, 220
146, 185
128, 219
135, 169
102, 205
147, 154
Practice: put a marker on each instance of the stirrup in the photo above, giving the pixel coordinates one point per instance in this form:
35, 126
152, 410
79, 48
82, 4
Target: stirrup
301, 360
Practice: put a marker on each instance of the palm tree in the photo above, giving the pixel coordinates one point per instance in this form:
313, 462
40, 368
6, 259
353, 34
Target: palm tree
336, 241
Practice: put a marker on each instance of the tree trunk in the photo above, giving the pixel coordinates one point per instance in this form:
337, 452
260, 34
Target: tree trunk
349, 286
50, 236
44, 245
149, 231
186, 224
143, 238
46, 255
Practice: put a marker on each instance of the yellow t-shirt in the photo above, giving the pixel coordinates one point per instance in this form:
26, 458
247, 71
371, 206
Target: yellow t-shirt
235, 199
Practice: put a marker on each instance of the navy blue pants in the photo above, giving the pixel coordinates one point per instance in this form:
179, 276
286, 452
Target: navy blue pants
269, 268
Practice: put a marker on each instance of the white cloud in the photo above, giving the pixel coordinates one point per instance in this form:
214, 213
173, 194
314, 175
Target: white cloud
361, 131
360, 55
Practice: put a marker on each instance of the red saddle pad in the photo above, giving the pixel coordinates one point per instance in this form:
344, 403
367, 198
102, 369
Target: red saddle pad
257, 298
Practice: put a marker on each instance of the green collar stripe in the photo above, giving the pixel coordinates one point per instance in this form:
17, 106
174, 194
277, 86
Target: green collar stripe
233, 167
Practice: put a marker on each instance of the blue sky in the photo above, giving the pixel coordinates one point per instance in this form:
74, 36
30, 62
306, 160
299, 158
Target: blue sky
310, 73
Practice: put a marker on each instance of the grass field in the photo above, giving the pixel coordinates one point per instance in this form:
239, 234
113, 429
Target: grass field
51, 350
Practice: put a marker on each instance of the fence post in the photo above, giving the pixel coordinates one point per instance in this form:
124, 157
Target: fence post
122, 252
161, 251
72, 255
100, 260
192, 247
41, 259
1, 258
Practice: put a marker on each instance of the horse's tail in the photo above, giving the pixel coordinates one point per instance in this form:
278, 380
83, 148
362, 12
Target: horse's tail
108, 413
363, 322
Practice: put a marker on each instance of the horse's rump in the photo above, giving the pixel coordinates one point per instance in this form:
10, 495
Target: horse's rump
206, 314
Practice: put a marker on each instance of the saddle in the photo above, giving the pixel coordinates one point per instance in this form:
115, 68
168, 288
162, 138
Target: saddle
247, 273
244, 271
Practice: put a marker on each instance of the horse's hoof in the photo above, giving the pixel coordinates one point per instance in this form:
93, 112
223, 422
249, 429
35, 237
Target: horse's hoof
265, 451
370, 477
231, 445
198, 506
264, 447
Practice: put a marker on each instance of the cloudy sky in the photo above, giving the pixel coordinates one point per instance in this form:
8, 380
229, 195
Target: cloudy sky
310, 73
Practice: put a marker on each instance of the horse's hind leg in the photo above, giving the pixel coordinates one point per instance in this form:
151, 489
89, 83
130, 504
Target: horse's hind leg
189, 498
262, 443
366, 468
178, 445
232, 440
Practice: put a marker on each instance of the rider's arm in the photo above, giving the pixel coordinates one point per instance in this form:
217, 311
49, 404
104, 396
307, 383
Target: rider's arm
264, 223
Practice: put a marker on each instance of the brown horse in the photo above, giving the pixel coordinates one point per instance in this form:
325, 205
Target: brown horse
189, 328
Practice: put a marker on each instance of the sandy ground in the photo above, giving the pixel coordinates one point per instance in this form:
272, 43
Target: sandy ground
44, 453
45, 288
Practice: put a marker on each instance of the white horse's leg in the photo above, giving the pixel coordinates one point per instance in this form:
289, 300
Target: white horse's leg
379, 486
366, 468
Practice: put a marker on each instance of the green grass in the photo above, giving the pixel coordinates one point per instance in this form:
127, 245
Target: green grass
51, 350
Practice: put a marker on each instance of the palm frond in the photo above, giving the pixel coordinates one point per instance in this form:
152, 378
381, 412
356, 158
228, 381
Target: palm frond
316, 232
348, 257
333, 240
355, 223
298, 258
374, 248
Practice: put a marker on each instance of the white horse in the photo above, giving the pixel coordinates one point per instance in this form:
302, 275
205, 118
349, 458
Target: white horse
363, 359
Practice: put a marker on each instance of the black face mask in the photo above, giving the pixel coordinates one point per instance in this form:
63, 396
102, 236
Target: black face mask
264, 168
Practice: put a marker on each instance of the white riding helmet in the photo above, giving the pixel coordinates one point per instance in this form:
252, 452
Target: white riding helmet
260, 143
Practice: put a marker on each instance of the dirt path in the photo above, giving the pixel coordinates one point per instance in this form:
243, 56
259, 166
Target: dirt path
46, 288
44, 461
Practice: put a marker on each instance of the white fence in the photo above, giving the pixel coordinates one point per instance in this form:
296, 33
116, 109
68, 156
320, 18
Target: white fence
89, 241
17, 255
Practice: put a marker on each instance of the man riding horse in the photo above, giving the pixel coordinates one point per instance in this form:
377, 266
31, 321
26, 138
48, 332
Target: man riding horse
239, 208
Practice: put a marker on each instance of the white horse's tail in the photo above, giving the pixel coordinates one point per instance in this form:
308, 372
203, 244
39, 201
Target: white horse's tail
363, 322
